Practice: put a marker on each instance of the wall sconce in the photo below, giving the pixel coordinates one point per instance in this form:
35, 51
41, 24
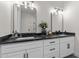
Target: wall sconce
57, 11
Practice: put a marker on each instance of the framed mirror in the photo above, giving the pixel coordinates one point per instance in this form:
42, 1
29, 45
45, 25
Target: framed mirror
57, 21
25, 19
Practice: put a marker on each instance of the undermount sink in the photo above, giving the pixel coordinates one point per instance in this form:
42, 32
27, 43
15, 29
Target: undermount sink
62, 35
25, 38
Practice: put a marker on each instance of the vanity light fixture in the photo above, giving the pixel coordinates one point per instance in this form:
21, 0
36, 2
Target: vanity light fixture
26, 4
18, 3
52, 11
58, 11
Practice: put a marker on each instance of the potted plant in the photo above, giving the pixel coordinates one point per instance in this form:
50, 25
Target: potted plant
43, 26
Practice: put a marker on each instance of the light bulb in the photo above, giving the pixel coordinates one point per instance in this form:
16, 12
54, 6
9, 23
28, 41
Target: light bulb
25, 6
60, 12
18, 5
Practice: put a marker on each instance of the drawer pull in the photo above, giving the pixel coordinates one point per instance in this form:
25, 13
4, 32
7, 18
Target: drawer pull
68, 46
52, 42
24, 56
52, 49
27, 55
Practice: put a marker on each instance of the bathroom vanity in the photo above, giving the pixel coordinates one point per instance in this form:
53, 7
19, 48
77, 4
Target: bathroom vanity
24, 18
55, 46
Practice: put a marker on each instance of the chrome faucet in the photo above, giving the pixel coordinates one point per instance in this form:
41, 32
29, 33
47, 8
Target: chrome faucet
14, 34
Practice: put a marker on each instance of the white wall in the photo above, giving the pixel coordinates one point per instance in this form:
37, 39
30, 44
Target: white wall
5, 18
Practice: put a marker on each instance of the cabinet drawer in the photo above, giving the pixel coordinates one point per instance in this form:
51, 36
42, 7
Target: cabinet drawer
50, 49
8, 48
52, 55
51, 42
66, 39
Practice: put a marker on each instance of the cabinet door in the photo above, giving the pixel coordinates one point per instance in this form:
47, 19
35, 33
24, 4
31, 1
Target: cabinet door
9, 48
66, 48
20, 54
35, 53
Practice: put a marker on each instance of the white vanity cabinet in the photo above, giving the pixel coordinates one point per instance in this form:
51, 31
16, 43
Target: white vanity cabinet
66, 46
22, 50
48, 48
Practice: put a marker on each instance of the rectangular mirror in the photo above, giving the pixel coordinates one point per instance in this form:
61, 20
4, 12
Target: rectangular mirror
25, 19
28, 20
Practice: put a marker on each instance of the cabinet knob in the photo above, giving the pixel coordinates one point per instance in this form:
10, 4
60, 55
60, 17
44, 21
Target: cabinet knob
27, 55
24, 56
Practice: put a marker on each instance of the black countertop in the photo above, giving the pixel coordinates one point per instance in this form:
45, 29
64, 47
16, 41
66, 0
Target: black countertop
7, 39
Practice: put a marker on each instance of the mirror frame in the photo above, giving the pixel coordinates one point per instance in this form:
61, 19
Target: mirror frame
13, 26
